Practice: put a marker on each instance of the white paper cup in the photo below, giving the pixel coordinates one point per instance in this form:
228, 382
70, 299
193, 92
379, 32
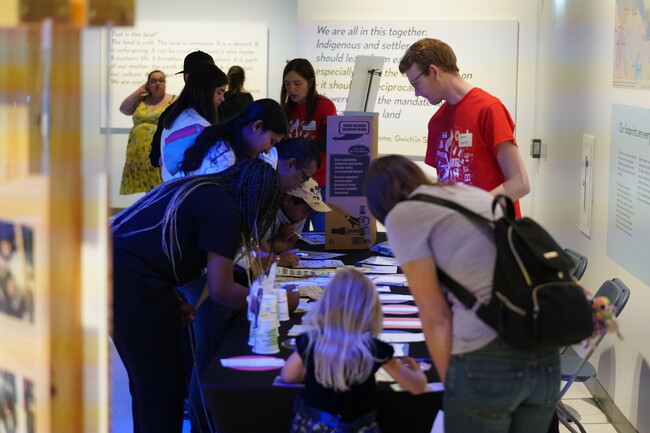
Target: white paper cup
269, 309
266, 338
251, 333
283, 305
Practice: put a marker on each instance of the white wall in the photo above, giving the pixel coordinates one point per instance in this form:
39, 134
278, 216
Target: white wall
575, 97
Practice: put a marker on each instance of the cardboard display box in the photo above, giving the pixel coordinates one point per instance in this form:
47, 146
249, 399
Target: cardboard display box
351, 146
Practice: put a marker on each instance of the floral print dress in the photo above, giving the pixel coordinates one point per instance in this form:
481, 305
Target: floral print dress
138, 174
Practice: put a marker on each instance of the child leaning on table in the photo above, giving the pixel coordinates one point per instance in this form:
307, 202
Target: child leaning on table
297, 204
337, 357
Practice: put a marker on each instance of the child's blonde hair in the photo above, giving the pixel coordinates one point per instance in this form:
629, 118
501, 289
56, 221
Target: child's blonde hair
340, 328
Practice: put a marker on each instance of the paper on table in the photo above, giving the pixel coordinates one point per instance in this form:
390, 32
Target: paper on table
389, 279
399, 309
278, 382
303, 306
318, 255
372, 269
296, 330
400, 349
384, 289
380, 260
312, 286
431, 387
382, 376
305, 272
393, 297
261, 361
319, 264
309, 280
314, 238
401, 337
402, 323
312, 292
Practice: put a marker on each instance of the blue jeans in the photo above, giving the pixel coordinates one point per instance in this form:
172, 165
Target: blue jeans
501, 389
308, 419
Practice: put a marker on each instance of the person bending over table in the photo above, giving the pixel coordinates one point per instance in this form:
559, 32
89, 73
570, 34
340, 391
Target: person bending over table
489, 385
163, 241
297, 204
337, 358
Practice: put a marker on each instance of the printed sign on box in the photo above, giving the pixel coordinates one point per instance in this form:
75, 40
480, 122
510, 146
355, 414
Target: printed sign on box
351, 146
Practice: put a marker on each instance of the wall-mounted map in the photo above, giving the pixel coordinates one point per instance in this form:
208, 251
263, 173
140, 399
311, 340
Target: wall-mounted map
632, 45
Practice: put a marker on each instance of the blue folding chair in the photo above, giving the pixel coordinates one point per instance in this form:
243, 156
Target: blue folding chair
580, 262
579, 369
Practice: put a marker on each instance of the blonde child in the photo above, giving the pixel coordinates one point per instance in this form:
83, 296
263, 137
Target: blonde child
337, 357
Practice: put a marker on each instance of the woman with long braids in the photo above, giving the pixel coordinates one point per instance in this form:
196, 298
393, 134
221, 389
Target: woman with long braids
251, 133
163, 241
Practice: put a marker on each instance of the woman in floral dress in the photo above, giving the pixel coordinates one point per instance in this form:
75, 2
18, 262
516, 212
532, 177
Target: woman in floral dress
145, 106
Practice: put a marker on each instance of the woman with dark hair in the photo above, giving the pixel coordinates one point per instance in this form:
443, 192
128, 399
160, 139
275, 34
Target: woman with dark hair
307, 112
165, 240
252, 132
489, 385
236, 96
195, 108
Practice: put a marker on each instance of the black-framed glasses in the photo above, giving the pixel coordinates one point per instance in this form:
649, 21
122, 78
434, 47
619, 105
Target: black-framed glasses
305, 176
419, 75
159, 80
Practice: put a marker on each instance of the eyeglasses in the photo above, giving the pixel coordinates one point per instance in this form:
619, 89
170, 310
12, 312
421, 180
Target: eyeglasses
419, 75
305, 176
159, 80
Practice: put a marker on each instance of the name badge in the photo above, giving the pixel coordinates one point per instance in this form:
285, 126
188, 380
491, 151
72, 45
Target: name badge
311, 126
465, 140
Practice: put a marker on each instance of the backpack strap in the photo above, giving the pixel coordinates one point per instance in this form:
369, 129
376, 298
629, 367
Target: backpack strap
506, 205
454, 206
466, 297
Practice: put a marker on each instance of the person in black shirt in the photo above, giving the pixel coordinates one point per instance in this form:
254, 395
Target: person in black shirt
163, 241
236, 96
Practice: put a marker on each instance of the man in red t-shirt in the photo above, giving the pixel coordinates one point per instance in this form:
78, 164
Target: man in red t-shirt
471, 136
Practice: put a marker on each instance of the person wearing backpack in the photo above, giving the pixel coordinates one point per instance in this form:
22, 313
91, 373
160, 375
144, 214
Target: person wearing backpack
490, 385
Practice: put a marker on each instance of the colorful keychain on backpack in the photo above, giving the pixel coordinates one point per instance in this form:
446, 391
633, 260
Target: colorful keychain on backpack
604, 316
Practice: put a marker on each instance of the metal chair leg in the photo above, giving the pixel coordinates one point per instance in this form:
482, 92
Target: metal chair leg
568, 420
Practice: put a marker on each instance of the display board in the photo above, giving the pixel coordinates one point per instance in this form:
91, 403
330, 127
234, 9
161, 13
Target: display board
487, 58
628, 231
24, 316
136, 51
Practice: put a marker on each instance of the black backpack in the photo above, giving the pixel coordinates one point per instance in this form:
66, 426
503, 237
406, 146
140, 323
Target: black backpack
535, 303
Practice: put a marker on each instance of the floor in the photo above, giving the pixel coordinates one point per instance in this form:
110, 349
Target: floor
120, 415
577, 398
